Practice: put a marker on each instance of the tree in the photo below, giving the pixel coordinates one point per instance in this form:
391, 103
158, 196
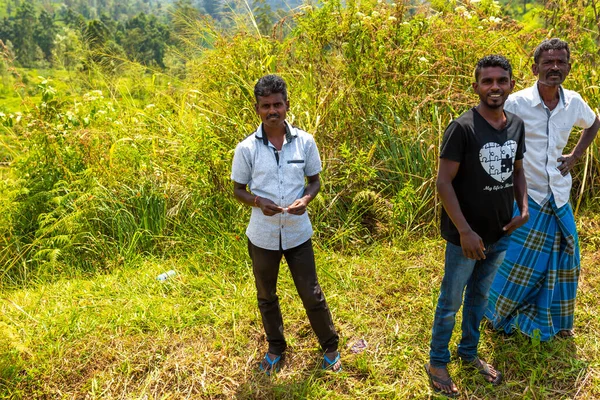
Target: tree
74, 20
183, 15
96, 34
145, 40
263, 15
23, 28
212, 7
67, 50
45, 33
109, 22
6, 30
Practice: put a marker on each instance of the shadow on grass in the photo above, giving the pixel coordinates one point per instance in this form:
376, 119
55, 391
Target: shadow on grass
294, 381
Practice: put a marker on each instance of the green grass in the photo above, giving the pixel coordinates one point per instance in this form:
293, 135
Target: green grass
199, 335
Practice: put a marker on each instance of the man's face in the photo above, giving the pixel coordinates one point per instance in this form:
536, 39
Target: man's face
272, 109
493, 86
552, 68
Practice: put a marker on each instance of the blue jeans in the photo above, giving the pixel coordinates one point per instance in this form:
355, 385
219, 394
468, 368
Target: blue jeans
477, 277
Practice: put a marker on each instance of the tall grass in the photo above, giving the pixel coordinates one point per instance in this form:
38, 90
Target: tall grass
107, 165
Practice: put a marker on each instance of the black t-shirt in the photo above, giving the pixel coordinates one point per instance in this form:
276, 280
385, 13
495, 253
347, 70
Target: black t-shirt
484, 181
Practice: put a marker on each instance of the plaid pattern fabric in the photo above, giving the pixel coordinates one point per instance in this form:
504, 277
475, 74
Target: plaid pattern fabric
535, 287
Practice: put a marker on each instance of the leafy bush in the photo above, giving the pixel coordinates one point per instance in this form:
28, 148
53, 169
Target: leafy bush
111, 167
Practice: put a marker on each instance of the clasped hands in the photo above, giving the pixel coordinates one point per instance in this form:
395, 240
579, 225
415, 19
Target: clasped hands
269, 208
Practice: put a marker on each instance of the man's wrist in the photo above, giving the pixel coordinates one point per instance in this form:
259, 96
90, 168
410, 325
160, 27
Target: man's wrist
465, 231
256, 201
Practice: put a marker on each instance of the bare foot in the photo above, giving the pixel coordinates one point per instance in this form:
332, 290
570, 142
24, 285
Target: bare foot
440, 379
566, 333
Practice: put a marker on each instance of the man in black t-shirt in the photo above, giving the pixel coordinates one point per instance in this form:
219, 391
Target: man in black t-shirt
480, 176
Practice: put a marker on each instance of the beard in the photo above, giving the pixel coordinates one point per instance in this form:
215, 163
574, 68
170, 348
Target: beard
495, 104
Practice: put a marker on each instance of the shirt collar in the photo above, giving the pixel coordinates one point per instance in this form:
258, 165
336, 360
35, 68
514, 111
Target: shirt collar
290, 134
508, 115
536, 98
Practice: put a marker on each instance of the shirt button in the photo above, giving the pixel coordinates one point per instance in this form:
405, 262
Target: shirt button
281, 226
281, 197
281, 182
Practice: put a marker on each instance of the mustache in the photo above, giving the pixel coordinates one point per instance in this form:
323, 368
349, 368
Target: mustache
273, 115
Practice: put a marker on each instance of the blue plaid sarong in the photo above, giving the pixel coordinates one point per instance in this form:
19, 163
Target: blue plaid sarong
535, 287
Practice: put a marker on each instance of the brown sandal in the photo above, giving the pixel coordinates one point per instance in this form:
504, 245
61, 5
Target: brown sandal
484, 369
446, 382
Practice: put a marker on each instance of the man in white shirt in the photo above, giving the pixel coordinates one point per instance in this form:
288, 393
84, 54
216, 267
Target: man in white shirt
535, 288
276, 172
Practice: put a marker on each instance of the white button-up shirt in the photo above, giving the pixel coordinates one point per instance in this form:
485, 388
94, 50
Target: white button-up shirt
546, 135
278, 176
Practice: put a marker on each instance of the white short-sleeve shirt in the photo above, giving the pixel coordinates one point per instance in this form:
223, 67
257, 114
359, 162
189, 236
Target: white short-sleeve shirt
280, 177
546, 135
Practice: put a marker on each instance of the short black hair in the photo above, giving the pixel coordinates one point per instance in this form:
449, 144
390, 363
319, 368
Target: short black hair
268, 85
551, 44
493, 60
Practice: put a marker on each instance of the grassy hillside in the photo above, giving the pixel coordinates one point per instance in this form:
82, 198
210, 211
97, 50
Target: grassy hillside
126, 335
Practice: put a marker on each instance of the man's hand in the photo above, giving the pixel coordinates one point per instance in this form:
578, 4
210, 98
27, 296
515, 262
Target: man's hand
567, 162
515, 223
472, 245
268, 207
298, 207
587, 137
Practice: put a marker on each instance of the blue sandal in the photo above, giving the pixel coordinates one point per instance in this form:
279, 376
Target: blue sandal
328, 363
273, 365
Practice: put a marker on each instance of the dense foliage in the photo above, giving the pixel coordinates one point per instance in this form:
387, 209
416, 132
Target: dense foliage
45, 34
108, 162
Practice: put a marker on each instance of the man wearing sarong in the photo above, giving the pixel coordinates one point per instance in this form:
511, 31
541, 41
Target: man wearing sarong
535, 287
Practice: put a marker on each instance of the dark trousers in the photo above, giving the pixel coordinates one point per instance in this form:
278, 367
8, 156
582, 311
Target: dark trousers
301, 261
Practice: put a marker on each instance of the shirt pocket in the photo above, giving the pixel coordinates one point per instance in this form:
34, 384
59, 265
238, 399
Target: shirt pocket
295, 167
563, 129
